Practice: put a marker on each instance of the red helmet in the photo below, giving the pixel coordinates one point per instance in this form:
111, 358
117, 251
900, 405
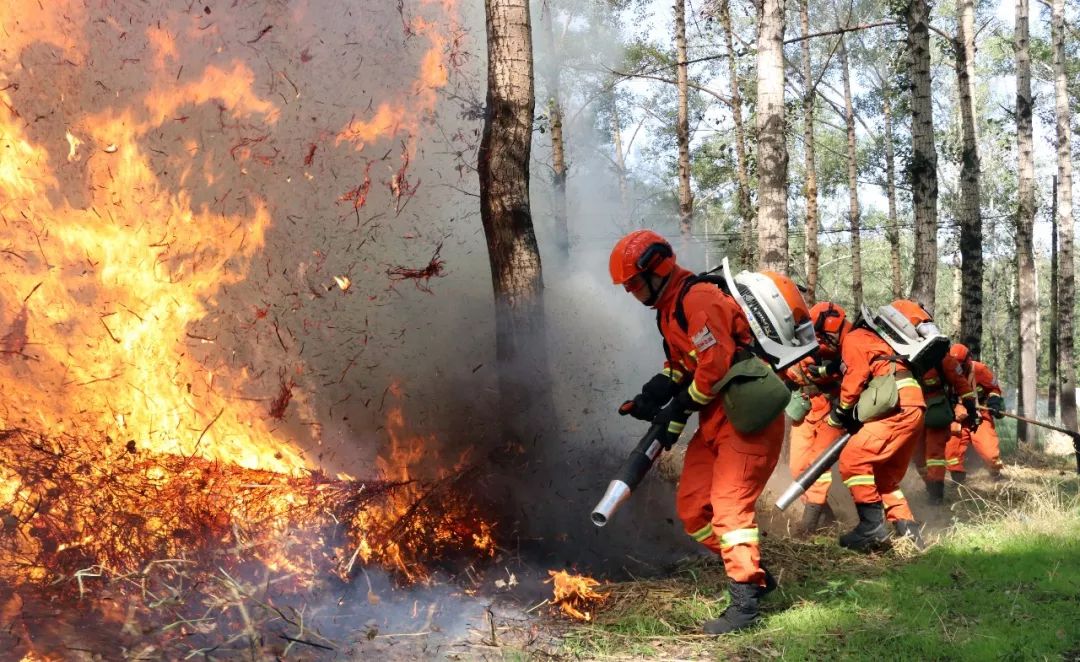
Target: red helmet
830, 323
641, 251
960, 352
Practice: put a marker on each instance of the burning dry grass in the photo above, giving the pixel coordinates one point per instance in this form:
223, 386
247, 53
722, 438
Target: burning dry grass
198, 547
575, 595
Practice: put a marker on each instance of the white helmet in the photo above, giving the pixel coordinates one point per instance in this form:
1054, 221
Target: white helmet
777, 312
922, 344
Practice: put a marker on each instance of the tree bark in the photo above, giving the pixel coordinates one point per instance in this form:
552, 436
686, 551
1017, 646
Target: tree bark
742, 175
558, 148
923, 166
503, 168
682, 122
893, 231
970, 215
1025, 220
1067, 278
813, 256
772, 146
853, 181
1053, 393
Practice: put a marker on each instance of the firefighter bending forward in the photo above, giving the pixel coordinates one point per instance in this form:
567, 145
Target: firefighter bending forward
876, 458
705, 332
983, 434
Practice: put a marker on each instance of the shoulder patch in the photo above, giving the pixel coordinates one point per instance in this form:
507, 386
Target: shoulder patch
703, 339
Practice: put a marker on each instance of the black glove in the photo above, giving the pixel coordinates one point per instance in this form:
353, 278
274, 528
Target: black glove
996, 404
672, 418
844, 418
973, 418
654, 394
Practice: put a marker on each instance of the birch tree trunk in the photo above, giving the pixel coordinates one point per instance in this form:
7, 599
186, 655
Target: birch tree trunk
923, 166
682, 123
853, 181
970, 216
558, 149
1025, 220
742, 175
813, 257
893, 231
772, 146
503, 168
1067, 279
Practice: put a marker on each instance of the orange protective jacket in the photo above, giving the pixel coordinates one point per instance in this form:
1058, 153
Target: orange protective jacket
716, 329
866, 355
954, 379
986, 383
819, 387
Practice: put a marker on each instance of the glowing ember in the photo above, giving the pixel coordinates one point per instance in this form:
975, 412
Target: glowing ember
574, 594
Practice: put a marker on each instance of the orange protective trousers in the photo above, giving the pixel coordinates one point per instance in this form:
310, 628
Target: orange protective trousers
929, 455
723, 476
985, 441
876, 458
809, 439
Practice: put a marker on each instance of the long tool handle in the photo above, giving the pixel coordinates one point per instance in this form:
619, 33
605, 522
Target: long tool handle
807, 478
1075, 435
629, 477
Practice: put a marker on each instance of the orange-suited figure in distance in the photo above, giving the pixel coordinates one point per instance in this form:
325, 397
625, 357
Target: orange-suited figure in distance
950, 397
984, 435
706, 335
876, 458
817, 382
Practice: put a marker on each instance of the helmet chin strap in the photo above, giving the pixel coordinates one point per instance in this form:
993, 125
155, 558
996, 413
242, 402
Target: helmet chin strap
654, 292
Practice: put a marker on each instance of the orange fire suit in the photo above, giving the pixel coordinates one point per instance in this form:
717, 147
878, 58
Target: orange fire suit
951, 384
876, 458
810, 437
985, 439
724, 471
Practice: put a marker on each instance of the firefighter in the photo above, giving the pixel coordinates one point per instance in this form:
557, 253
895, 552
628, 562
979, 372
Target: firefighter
884, 434
950, 396
982, 434
817, 384
708, 343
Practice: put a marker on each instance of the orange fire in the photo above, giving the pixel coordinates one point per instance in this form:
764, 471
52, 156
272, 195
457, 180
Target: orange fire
131, 430
575, 594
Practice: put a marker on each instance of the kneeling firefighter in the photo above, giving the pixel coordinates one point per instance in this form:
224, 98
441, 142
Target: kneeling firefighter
882, 406
982, 434
715, 332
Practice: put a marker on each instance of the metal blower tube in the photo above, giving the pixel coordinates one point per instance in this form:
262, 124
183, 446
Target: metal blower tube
626, 481
807, 478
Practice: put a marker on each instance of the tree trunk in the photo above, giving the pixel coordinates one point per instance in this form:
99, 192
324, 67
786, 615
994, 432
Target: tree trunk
772, 146
813, 257
682, 123
620, 161
893, 231
1067, 280
970, 215
558, 151
923, 166
742, 175
853, 181
503, 168
1053, 390
1025, 220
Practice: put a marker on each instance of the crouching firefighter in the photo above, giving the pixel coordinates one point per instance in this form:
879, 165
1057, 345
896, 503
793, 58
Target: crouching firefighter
816, 382
716, 331
981, 433
881, 404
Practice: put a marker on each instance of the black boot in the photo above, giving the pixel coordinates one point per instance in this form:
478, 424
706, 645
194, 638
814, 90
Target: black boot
741, 613
935, 490
907, 528
811, 514
870, 533
958, 477
770, 584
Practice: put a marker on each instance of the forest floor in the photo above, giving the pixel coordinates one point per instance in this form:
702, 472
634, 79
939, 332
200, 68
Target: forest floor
1000, 580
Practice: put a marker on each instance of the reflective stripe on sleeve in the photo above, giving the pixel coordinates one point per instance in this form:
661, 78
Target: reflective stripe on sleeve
824, 478
673, 374
906, 382
699, 397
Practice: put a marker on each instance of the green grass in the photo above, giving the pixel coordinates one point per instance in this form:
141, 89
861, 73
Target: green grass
1001, 587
